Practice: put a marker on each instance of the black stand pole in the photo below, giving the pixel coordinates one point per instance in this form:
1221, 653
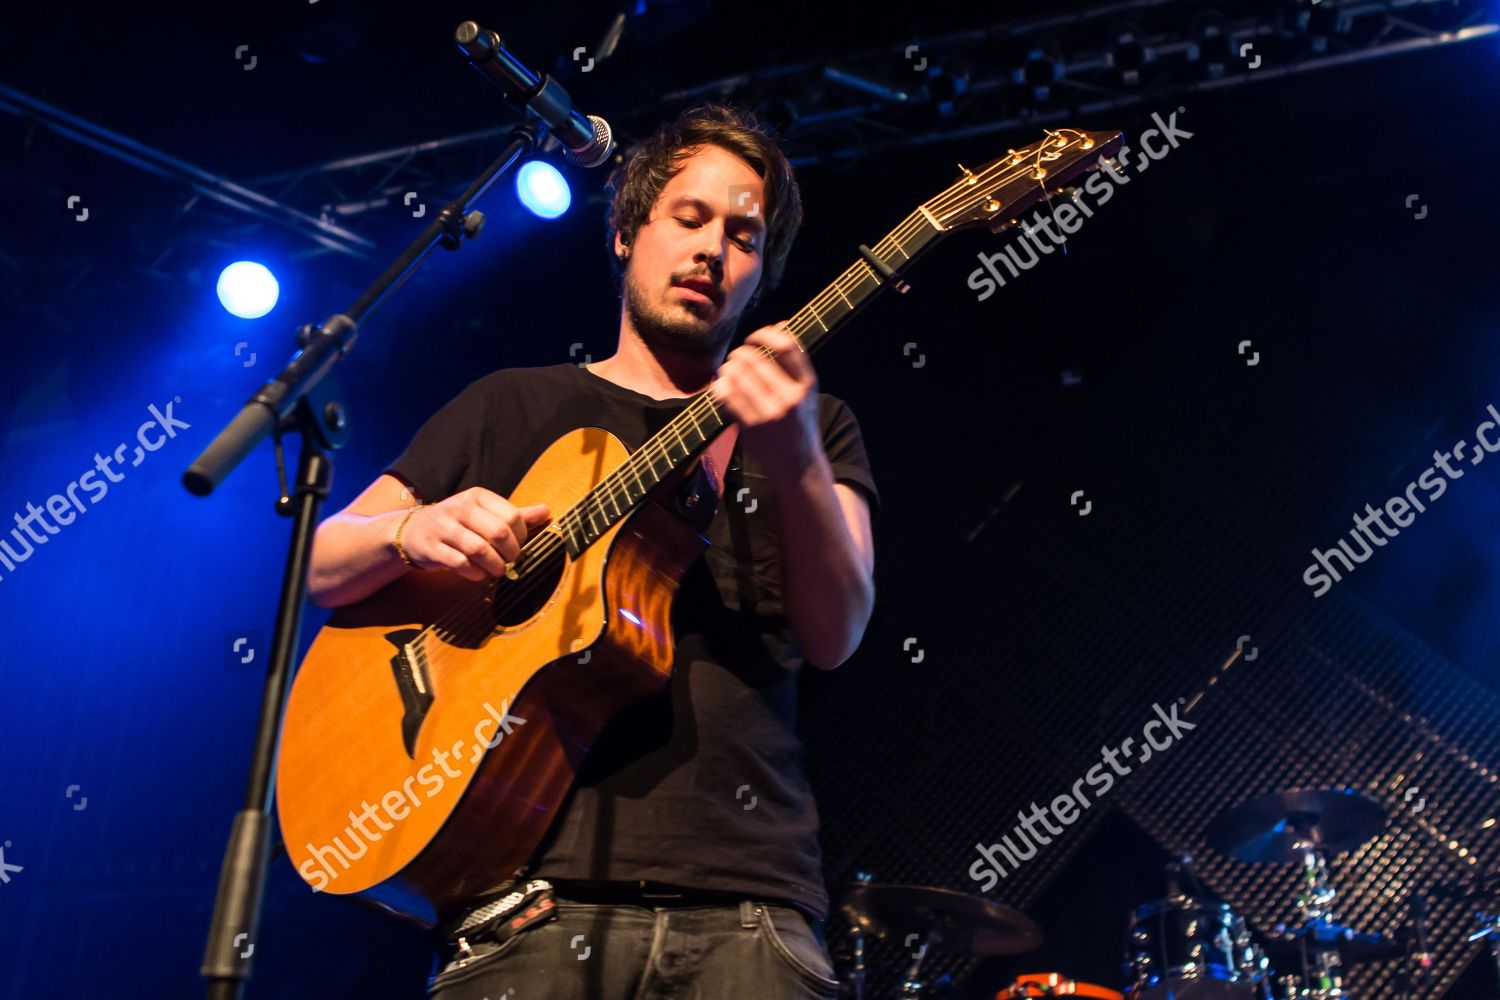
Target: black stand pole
304, 400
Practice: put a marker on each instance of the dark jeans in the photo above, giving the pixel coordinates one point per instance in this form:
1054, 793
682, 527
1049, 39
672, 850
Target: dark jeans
603, 952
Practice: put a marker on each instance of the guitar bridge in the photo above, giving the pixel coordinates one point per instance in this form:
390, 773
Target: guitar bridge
412, 683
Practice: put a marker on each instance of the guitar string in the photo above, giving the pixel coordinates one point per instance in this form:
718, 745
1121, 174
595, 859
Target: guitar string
593, 503
537, 554
474, 611
604, 492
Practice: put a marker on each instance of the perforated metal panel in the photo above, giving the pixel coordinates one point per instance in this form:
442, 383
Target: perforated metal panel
1385, 717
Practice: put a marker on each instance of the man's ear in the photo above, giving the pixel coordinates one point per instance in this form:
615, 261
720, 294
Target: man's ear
622, 249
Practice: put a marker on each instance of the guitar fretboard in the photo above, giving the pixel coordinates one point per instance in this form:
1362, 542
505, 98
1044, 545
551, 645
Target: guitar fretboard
692, 430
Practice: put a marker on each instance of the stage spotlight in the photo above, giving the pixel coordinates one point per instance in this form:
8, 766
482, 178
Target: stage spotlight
247, 289
543, 189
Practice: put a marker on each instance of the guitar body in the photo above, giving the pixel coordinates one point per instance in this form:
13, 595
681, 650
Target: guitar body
439, 775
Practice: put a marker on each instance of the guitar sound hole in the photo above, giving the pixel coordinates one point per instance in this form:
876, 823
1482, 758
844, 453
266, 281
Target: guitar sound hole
517, 600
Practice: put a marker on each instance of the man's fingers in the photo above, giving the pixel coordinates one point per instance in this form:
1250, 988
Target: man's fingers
787, 349
481, 552
505, 528
477, 534
457, 563
492, 503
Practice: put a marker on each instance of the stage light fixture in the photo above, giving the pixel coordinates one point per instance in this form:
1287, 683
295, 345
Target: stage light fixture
543, 189
247, 289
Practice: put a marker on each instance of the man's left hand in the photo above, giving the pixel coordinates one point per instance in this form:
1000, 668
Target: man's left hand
773, 398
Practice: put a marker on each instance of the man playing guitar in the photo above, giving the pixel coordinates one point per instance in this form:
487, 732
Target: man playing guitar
685, 861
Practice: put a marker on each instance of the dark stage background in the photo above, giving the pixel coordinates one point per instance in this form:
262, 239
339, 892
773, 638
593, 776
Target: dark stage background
1013, 636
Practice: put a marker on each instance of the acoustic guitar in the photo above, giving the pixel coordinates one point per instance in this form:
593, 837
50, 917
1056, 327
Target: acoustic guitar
434, 728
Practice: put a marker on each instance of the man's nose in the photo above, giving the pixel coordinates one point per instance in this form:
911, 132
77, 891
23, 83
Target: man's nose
712, 255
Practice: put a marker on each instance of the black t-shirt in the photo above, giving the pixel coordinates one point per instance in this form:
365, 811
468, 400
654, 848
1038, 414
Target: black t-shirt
702, 785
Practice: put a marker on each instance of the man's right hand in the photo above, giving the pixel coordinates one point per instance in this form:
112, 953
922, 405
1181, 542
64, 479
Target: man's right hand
476, 533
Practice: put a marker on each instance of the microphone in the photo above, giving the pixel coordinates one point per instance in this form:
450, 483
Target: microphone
587, 140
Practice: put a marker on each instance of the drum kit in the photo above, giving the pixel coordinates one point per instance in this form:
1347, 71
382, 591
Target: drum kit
1188, 945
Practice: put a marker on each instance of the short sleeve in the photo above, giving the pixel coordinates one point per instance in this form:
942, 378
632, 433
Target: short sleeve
845, 446
443, 455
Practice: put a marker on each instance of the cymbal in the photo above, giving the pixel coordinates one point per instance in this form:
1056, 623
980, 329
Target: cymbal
1354, 947
962, 922
1267, 828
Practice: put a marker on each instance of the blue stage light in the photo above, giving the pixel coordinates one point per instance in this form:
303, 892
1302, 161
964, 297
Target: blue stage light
543, 189
247, 289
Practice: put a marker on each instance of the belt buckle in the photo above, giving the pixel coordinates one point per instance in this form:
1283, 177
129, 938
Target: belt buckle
646, 893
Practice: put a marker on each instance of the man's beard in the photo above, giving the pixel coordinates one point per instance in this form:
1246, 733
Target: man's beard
663, 329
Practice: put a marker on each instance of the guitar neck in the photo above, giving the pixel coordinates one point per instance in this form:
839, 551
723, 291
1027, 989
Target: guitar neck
703, 420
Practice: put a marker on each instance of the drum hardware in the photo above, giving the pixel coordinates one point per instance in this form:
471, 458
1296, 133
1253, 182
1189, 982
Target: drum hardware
1484, 889
1188, 945
929, 917
1192, 947
1053, 984
1304, 827
857, 931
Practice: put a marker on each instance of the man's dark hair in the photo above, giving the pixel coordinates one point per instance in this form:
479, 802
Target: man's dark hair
635, 184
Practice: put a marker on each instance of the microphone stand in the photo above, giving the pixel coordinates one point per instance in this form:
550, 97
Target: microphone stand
304, 399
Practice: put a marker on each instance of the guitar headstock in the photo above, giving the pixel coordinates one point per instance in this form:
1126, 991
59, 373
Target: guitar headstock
997, 193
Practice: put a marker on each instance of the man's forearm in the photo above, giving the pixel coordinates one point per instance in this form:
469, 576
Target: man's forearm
827, 591
352, 558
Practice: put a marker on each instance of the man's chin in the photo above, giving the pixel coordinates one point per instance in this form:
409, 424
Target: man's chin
691, 329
